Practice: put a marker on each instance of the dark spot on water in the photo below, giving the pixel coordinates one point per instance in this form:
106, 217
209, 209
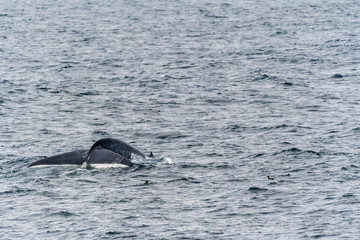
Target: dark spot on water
191, 145
257, 189
259, 155
348, 195
313, 152
86, 181
213, 154
298, 151
171, 136
184, 179
349, 167
291, 150
87, 93
318, 236
270, 178
236, 180
337, 75
18, 190
113, 233
46, 131
101, 133
262, 77
281, 126
63, 214
357, 129
281, 32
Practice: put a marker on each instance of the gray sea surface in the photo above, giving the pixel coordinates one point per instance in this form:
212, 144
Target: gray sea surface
245, 89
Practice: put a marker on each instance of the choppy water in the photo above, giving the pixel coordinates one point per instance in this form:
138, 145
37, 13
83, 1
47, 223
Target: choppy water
245, 89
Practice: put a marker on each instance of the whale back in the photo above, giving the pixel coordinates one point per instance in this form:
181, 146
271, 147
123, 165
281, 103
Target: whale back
117, 146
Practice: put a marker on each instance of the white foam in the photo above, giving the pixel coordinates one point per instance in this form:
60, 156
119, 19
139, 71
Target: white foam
168, 160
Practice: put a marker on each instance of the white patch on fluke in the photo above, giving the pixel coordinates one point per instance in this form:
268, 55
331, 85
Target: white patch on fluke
98, 165
55, 165
110, 165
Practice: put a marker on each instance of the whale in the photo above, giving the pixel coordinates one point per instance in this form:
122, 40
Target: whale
106, 152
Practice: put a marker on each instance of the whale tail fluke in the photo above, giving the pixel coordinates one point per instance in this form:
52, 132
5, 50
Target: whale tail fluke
103, 152
70, 158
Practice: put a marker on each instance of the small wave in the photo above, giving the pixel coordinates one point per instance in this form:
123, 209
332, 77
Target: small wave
218, 101
141, 166
357, 129
348, 195
87, 93
47, 131
349, 167
149, 163
257, 189
17, 190
171, 135
113, 233
214, 154
101, 133
51, 90
216, 165
184, 179
293, 150
63, 214
236, 128
86, 181
235, 180
262, 77
283, 126
130, 236
296, 150
72, 173
259, 155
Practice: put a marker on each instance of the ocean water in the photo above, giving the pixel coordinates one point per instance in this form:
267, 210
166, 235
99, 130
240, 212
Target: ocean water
245, 89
